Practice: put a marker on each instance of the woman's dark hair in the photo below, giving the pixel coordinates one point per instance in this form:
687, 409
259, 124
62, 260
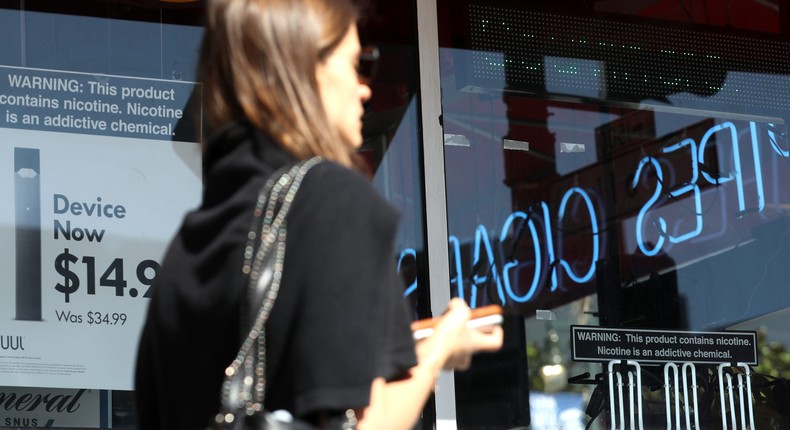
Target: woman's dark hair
258, 61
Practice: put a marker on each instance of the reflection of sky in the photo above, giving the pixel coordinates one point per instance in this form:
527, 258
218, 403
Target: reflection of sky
566, 131
556, 411
580, 78
778, 324
397, 179
574, 76
10, 34
98, 45
668, 123
753, 94
476, 193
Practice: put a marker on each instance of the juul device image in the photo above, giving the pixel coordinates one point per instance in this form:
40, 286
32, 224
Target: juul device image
27, 199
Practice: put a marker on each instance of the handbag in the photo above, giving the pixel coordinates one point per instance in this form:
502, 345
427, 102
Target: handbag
244, 385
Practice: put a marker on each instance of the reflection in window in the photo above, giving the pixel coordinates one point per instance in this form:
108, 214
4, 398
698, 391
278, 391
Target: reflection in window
637, 161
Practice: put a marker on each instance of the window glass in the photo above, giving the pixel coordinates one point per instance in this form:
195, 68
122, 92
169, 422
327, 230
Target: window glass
391, 148
102, 164
618, 170
97, 124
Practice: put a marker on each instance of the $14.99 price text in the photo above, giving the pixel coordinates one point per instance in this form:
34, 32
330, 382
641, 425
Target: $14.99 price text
75, 274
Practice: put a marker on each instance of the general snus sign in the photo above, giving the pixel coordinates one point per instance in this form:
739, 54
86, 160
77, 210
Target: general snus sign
601, 344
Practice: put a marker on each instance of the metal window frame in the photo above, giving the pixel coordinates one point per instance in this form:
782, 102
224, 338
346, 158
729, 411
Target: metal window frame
435, 190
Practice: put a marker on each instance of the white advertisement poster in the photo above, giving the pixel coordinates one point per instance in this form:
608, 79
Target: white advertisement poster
95, 177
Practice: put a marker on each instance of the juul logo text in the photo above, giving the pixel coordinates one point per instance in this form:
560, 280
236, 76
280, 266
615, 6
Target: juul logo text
11, 342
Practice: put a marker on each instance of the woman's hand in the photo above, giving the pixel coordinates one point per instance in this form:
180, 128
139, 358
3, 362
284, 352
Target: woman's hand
398, 404
453, 344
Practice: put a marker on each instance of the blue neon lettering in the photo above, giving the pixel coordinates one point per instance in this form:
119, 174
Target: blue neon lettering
549, 245
515, 263
772, 137
737, 174
690, 186
482, 241
593, 222
640, 218
704, 141
484, 260
455, 247
758, 170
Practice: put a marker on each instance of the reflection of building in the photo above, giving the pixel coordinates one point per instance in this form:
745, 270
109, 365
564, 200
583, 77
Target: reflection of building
649, 146
617, 163
553, 411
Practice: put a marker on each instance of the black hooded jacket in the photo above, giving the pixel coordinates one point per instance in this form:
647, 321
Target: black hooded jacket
339, 320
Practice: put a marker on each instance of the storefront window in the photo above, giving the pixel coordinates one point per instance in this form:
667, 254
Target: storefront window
102, 164
392, 137
623, 168
99, 139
